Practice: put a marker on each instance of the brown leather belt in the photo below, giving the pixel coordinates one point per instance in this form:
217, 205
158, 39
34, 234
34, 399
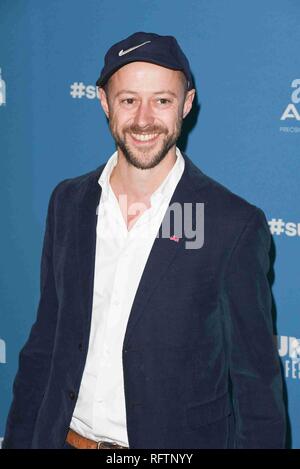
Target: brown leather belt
80, 442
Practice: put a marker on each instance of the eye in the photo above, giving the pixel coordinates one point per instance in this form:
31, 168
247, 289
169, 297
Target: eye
164, 100
128, 101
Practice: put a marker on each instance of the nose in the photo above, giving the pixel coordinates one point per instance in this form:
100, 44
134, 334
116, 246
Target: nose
144, 116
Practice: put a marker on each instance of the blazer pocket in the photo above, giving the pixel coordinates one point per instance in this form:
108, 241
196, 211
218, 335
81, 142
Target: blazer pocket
210, 412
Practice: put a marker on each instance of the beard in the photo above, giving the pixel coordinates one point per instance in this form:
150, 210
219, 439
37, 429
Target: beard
146, 158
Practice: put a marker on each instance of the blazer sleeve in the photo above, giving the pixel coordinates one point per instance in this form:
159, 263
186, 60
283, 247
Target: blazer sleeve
35, 357
253, 359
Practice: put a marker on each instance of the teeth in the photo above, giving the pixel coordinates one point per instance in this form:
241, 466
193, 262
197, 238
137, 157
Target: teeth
144, 138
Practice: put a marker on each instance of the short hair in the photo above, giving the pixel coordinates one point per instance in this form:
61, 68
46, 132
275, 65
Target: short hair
184, 82
105, 87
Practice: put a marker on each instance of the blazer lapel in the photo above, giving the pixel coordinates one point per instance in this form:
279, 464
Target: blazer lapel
163, 252
89, 198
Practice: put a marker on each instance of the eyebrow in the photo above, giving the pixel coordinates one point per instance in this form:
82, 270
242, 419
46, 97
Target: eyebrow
157, 92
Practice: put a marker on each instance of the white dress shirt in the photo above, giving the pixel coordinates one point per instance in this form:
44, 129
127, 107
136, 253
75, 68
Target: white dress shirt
120, 259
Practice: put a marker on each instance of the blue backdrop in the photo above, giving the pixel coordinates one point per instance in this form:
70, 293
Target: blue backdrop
245, 60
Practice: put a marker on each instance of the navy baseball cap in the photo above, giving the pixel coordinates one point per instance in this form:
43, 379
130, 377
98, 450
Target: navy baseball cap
145, 47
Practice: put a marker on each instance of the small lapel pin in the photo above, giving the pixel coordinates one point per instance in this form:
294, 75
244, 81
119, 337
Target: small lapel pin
174, 238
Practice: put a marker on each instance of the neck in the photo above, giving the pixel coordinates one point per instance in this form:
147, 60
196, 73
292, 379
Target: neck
139, 184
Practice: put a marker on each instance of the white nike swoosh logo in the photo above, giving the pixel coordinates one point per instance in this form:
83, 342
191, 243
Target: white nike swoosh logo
123, 52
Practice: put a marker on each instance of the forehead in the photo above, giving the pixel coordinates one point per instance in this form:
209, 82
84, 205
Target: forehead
145, 76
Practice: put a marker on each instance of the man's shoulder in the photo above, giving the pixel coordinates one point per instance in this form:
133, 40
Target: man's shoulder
76, 186
77, 182
225, 203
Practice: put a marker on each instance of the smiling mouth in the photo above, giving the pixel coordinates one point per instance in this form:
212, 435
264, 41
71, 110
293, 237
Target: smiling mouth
144, 138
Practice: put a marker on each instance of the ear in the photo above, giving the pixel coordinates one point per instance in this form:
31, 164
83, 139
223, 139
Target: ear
188, 102
104, 101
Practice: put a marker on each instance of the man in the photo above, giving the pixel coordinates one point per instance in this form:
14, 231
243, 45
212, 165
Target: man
146, 338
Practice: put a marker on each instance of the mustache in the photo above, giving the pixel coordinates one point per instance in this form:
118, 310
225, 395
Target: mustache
146, 130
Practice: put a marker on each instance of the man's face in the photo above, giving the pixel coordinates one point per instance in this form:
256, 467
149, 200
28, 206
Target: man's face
145, 105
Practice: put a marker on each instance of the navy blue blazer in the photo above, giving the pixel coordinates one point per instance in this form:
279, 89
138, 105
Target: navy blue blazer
200, 364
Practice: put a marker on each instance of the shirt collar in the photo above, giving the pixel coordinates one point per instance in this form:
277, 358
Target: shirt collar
103, 180
167, 186
163, 191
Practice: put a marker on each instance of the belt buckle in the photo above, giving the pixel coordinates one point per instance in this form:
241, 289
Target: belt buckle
106, 445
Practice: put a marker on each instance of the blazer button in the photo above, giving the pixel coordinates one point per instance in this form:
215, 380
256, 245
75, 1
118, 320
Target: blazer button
72, 395
80, 347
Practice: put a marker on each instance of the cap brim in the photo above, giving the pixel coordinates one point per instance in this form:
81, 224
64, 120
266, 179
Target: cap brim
143, 58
